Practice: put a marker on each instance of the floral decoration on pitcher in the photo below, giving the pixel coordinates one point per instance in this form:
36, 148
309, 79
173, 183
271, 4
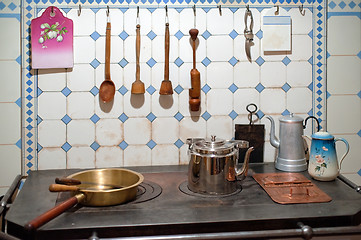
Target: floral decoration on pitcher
321, 164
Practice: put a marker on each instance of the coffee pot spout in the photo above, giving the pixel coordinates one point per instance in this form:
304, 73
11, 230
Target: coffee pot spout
273, 139
242, 172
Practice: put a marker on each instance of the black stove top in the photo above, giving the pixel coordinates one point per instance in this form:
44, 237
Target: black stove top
165, 206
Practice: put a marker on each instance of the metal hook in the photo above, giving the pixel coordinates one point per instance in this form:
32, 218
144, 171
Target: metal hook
277, 12
137, 11
220, 10
302, 11
107, 11
247, 7
166, 10
194, 10
79, 10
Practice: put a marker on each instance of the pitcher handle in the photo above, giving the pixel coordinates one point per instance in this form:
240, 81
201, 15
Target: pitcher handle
347, 149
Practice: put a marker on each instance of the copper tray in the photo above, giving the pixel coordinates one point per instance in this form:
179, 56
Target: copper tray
286, 188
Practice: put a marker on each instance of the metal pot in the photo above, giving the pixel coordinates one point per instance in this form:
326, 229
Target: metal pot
93, 196
213, 165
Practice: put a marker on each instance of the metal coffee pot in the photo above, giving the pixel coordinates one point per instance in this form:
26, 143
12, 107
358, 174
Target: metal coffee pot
291, 146
213, 165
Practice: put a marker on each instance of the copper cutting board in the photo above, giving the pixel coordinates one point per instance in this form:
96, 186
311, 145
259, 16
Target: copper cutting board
286, 188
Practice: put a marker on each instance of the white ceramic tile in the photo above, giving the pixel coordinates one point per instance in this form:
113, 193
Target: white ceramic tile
10, 46
221, 127
220, 24
80, 105
137, 131
51, 133
215, 52
346, 81
219, 75
51, 158
145, 21
299, 100
219, 101
273, 101
273, 74
164, 105
186, 22
116, 49
158, 21
240, 50
83, 24
301, 47
111, 109
80, 132
84, 49
270, 153
183, 155
299, 74
10, 90
246, 74
351, 163
52, 105
267, 125
338, 44
137, 105
186, 49
80, 157
11, 163
109, 157
165, 155
301, 24
52, 79
184, 104
81, 78
116, 20
340, 106
243, 97
192, 127
129, 75
165, 130
109, 132
239, 24
137, 155
158, 49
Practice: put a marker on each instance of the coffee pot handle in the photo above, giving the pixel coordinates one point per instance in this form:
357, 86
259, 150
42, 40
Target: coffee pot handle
318, 123
347, 149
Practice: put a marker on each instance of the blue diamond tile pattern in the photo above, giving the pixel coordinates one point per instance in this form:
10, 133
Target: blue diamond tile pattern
233, 34
233, 61
179, 35
39, 92
123, 35
359, 172
18, 102
286, 61
123, 145
94, 146
12, 6
352, 4
123, 62
18, 143
39, 120
151, 90
94, 91
95, 118
151, 62
206, 115
66, 91
233, 88
95, 35
259, 34
233, 115
206, 35
123, 117
328, 95
359, 133
151, 117
179, 143
332, 5
178, 116
359, 55
342, 4
260, 87
286, 87
2, 5
260, 61
285, 113
66, 119
123, 90
151, 144
179, 89
206, 61
66, 147
178, 62
95, 63
151, 35
206, 88
359, 94
260, 114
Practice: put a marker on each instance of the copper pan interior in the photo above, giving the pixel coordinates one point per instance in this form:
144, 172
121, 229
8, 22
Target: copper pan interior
95, 196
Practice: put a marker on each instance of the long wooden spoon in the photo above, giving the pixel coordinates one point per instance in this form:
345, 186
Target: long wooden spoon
195, 91
138, 86
107, 88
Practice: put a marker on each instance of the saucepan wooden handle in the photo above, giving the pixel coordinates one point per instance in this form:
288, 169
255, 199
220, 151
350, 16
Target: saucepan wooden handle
67, 181
62, 188
53, 213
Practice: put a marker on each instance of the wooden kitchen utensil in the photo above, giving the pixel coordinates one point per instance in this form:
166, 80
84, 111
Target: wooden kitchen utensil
68, 188
137, 86
253, 133
286, 188
166, 86
195, 91
107, 88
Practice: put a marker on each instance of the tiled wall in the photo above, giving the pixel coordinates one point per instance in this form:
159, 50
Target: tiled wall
344, 80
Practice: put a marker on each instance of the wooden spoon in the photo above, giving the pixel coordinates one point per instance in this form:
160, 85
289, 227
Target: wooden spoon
166, 86
107, 88
195, 91
138, 86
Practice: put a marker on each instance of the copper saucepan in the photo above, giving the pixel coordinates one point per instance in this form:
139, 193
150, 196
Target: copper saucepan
90, 196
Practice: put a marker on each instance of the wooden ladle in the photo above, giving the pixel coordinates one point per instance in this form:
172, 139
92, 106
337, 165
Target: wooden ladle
137, 86
166, 86
195, 90
107, 88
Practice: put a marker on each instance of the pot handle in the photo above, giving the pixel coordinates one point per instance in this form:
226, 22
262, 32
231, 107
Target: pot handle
318, 123
53, 213
347, 150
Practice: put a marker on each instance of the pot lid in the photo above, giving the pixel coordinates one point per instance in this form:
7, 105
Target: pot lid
213, 146
291, 118
322, 135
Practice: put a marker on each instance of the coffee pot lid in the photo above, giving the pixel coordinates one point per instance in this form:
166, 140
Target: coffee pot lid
322, 135
213, 146
291, 118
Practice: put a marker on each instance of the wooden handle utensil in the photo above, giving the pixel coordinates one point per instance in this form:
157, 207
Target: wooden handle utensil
166, 86
195, 91
137, 86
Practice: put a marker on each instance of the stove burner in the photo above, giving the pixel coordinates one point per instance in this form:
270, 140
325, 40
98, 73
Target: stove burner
183, 187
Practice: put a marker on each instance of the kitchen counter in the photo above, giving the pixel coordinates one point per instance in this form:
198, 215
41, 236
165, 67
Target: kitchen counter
174, 212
